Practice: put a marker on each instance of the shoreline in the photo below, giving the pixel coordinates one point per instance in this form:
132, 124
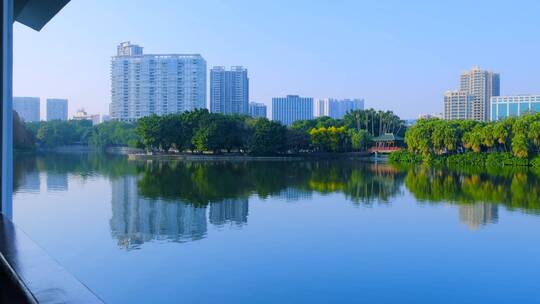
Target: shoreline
240, 158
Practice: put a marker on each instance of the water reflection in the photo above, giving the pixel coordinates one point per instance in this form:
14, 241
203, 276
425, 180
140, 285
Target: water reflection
515, 189
229, 211
177, 202
136, 220
57, 181
479, 214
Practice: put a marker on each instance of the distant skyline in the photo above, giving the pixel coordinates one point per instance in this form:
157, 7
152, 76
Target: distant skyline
399, 56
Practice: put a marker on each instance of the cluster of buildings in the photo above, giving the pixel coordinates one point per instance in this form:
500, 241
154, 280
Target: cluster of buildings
29, 108
479, 98
146, 84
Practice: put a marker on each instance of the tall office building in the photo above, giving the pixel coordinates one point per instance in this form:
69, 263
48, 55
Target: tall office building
480, 86
292, 108
513, 106
57, 109
257, 110
27, 107
336, 108
229, 90
143, 85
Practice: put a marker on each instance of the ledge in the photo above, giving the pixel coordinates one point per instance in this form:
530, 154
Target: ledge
41, 278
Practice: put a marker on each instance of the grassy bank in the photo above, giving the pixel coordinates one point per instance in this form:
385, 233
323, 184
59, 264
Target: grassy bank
492, 159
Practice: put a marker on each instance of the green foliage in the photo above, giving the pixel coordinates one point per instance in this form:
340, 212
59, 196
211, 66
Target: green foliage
202, 131
330, 139
269, 138
113, 133
297, 140
404, 156
148, 128
499, 159
23, 139
319, 122
535, 162
57, 133
520, 136
360, 140
467, 159
374, 122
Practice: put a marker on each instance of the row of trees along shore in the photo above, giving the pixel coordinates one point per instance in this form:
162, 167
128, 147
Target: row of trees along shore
200, 131
511, 141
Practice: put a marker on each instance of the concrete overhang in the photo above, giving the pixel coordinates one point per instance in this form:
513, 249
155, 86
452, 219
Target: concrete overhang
36, 13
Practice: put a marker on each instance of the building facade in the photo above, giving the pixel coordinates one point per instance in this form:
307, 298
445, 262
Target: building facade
336, 108
57, 109
513, 106
142, 85
480, 85
289, 109
257, 110
457, 105
229, 90
28, 108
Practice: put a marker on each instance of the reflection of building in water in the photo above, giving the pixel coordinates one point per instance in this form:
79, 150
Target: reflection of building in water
30, 182
478, 214
229, 211
57, 181
293, 194
136, 220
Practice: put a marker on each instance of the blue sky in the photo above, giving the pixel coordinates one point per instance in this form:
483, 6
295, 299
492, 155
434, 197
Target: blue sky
398, 55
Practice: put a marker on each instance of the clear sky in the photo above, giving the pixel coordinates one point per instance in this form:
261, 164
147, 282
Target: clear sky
398, 55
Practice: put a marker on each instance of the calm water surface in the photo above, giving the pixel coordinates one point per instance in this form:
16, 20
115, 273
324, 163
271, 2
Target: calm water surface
317, 232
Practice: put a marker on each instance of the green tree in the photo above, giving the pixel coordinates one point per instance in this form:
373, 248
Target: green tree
148, 128
330, 139
360, 140
269, 137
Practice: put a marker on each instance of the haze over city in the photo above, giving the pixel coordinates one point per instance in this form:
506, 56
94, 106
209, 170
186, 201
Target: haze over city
398, 56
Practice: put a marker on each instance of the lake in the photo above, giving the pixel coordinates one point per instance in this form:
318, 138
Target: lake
283, 232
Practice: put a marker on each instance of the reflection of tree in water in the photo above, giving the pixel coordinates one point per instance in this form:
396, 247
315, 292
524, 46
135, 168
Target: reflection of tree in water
169, 200
515, 189
360, 182
201, 183
59, 165
24, 170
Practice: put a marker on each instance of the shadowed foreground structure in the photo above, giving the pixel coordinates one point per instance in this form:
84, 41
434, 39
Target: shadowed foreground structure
27, 273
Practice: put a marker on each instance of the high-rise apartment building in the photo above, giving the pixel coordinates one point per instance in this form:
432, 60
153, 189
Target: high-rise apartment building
145, 84
229, 90
27, 107
457, 105
292, 108
336, 108
257, 110
57, 109
480, 85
